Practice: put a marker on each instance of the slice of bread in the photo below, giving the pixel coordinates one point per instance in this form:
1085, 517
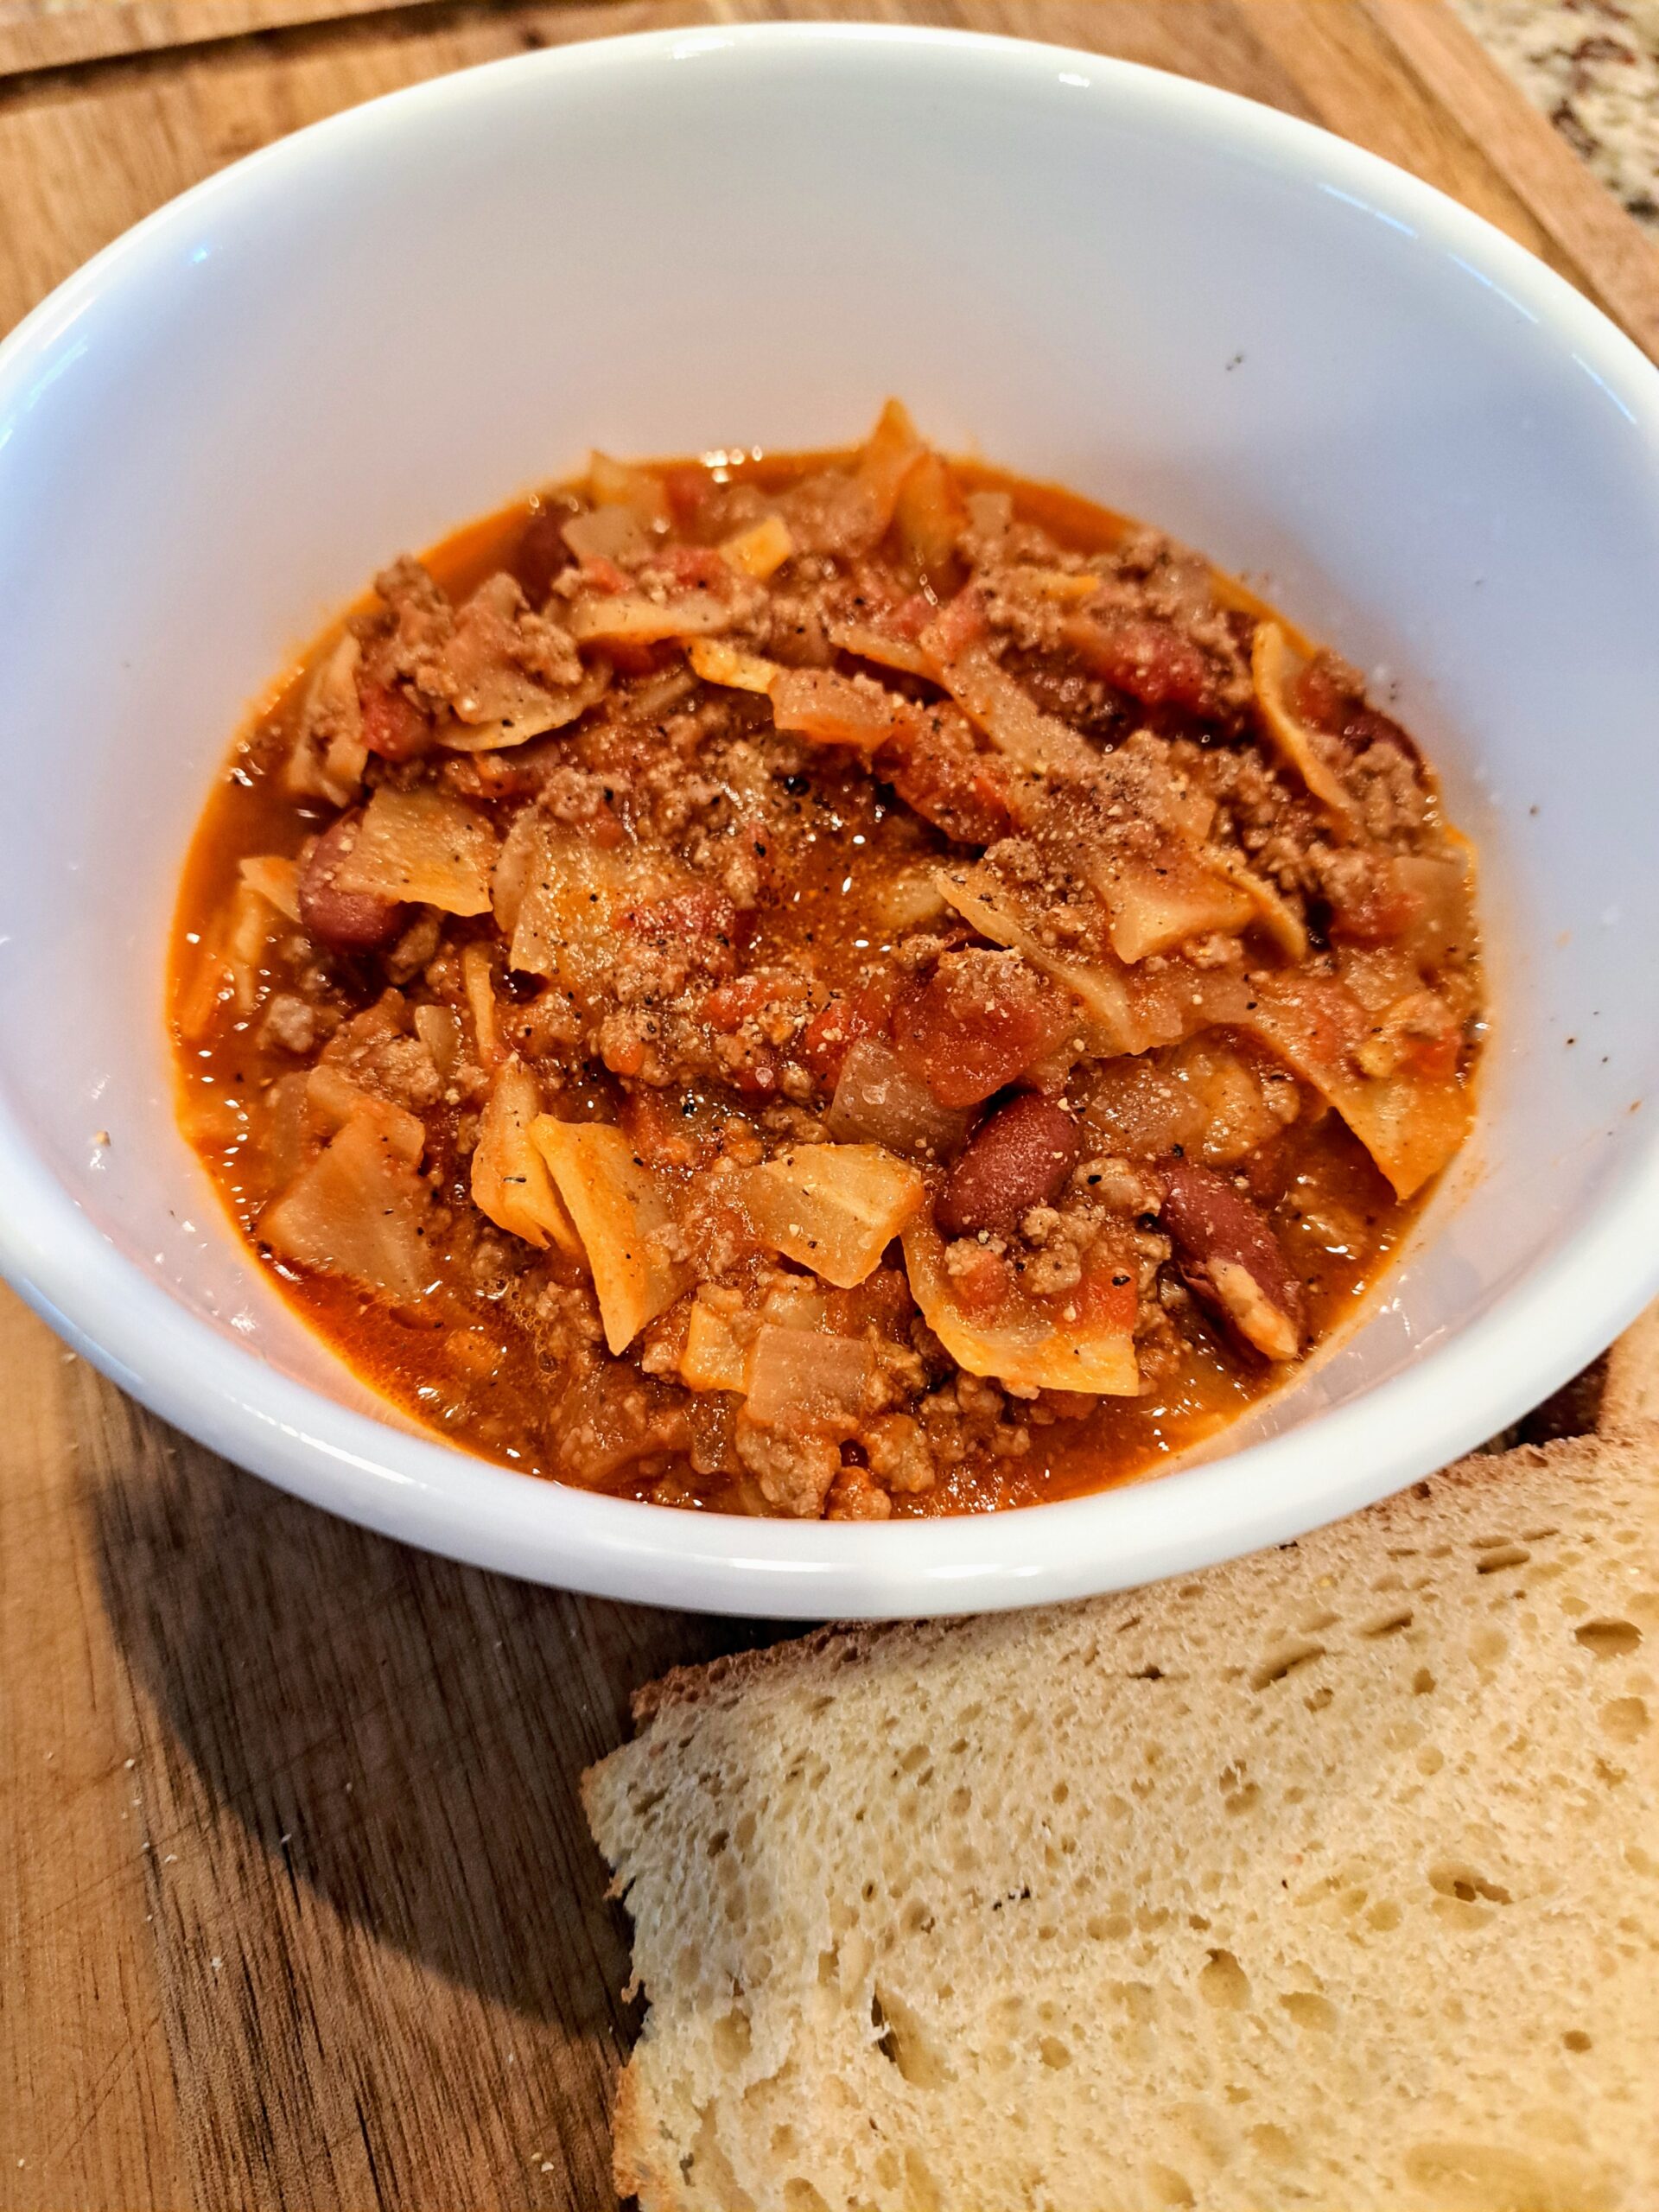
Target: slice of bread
1327, 1879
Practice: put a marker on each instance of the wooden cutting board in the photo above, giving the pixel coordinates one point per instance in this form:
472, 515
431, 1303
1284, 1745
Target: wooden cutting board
297, 1907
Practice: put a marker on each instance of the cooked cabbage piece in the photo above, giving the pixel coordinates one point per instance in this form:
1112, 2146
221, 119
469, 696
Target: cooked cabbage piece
424, 846
833, 1208
1029, 1343
623, 1217
359, 1209
510, 1182
1300, 746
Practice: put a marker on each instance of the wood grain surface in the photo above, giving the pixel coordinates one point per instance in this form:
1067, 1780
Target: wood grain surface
58, 34
297, 1908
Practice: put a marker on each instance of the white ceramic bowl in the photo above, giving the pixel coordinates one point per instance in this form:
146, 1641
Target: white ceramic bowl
1288, 353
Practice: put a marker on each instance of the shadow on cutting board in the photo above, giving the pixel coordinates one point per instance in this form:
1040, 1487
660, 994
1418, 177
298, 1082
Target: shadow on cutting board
403, 1735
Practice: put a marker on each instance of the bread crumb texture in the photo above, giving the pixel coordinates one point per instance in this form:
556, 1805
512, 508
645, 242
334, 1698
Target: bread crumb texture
1329, 1878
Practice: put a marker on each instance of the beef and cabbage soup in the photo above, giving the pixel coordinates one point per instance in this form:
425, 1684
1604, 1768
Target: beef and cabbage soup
850, 986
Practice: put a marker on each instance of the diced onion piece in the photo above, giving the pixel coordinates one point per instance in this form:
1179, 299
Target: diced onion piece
624, 484
833, 1208
1011, 718
931, 515
1156, 902
608, 534
800, 1380
329, 754
713, 1357
510, 1183
796, 1302
247, 924
620, 1208
283, 1131
629, 617
1026, 1345
1443, 884
359, 1209
1064, 587
1123, 1021
717, 662
438, 1028
424, 846
871, 644
829, 709
478, 982
877, 1101
891, 451
907, 898
1296, 742
990, 514
761, 550
332, 1099
648, 701
251, 922
1277, 917
274, 879
208, 987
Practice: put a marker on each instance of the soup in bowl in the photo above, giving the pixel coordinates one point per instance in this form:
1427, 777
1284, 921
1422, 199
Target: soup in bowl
1370, 411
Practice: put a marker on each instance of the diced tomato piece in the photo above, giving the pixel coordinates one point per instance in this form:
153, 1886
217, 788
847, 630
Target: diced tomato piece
961, 622
729, 1006
980, 1283
1374, 909
933, 762
835, 1028
393, 726
1319, 697
703, 920
628, 656
910, 618
691, 566
1105, 1299
1316, 697
1150, 659
981, 1021
1435, 1059
625, 1056
602, 574
689, 490
659, 1131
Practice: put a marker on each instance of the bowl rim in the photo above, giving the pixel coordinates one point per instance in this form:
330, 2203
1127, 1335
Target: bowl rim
429, 1493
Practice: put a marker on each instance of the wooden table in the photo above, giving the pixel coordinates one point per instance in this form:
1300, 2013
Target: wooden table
299, 1907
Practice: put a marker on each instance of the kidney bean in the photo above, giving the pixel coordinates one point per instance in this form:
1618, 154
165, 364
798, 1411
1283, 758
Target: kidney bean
1019, 1159
344, 921
1230, 1259
542, 553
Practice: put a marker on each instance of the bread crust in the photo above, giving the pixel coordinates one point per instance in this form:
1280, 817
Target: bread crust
724, 1680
